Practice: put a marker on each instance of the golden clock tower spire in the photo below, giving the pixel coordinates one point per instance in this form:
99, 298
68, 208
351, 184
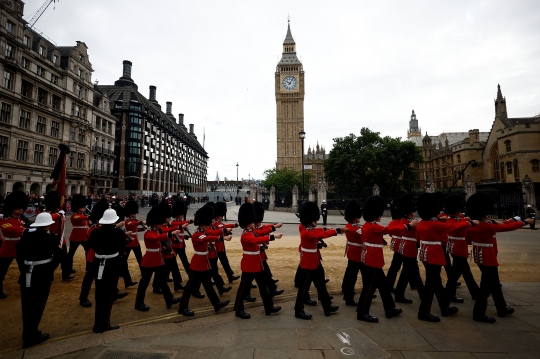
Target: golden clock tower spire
289, 79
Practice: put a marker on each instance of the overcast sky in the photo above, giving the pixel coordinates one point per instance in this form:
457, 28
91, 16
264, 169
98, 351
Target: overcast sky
367, 64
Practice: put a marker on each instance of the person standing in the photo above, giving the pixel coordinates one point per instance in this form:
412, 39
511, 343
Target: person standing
531, 213
38, 255
324, 211
12, 228
353, 251
79, 234
108, 243
251, 265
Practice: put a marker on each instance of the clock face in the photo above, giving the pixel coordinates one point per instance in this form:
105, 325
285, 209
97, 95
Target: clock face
289, 83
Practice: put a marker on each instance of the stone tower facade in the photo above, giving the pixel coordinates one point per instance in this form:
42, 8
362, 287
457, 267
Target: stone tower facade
414, 130
289, 79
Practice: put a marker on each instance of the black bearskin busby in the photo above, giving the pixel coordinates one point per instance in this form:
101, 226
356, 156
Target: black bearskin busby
78, 201
352, 211
178, 208
373, 208
454, 203
440, 199
479, 205
155, 216
52, 201
394, 211
427, 206
98, 210
131, 207
259, 212
204, 216
246, 214
120, 211
406, 205
213, 206
221, 209
165, 211
15, 200
309, 213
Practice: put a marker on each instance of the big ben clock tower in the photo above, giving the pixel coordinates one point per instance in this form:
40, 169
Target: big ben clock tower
289, 106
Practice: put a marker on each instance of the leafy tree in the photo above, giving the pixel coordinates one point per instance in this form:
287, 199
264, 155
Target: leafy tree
356, 163
284, 179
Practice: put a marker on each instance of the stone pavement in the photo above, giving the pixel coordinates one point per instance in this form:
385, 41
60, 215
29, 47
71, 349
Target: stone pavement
213, 336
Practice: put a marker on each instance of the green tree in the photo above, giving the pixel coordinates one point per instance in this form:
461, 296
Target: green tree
356, 163
284, 179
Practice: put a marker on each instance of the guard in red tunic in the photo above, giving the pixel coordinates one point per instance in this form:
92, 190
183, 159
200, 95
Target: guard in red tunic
153, 262
373, 259
407, 248
310, 269
443, 217
484, 242
200, 264
397, 258
458, 247
169, 255
353, 251
52, 205
133, 225
12, 227
252, 267
430, 233
79, 233
220, 246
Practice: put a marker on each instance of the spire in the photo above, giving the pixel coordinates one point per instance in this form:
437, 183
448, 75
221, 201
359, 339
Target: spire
289, 39
499, 93
217, 176
289, 49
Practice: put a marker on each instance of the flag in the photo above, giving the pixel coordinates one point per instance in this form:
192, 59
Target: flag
59, 174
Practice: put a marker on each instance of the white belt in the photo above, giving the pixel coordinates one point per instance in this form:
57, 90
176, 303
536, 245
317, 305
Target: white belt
309, 250
408, 239
80, 227
456, 238
431, 243
202, 253
373, 245
482, 244
354, 244
153, 249
103, 258
396, 237
29, 271
12, 239
253, 253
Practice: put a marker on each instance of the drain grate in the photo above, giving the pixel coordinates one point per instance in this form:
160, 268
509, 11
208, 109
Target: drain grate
119, 354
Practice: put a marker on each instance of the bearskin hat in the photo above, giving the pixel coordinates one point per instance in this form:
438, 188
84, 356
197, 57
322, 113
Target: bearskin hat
259, 212
394, 212
204, 216
131, 207
428, 206
246, 214
309, 213
98, 210
406, 205
352, 211
479, 205
440, 199
155, 216
120, 211
165, 210
213, 206
15, 200
221, 209
373, 208
454, 203
52, 201
178, 208
78, 201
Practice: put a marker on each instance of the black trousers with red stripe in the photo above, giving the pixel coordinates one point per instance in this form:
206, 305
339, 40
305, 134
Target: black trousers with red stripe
489, 285
243, 290
374, 278
194, 283
433, 287
409, 274
304, 279
460, 267
73, 246
349, 279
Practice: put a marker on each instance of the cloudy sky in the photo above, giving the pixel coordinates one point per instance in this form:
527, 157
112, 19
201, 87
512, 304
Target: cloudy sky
367, 64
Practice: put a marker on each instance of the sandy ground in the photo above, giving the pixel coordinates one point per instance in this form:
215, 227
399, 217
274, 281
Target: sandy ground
519, 257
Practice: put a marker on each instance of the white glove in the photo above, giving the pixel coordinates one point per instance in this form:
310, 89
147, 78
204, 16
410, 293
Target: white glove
517, 218
62, 212
30, 230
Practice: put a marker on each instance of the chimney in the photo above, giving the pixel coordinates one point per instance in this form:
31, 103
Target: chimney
181, 119
474, 136
169, 108
126, 73
152, 93
191, 128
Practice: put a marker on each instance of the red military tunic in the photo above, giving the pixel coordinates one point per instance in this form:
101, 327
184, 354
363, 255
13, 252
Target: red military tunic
166, 228
309, 238
264, 230
212, 231
80, 228
182, 237
396, 240
152, 240
431, 235
58, 226
220, 246
458, 244
91, 254
12, 229
354, 245
201, 241
407, 243
484, 240
372, 238
252, 259
132, 226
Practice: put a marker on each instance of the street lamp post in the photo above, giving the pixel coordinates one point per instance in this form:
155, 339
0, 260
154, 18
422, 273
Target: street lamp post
302, 136
237, 189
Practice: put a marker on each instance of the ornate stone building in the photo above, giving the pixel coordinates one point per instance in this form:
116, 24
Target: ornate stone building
47, 98
289, 88
314, 163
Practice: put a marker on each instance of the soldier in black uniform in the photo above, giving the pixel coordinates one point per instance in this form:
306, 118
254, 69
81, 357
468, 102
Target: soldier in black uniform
531, 213
38, 255
324, 211
109, 244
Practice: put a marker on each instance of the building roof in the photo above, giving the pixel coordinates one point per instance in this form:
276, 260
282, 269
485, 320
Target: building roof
453, 138
289, 58
289, 39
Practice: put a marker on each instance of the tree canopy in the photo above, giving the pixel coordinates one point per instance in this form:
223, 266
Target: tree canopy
356, 163
284, 179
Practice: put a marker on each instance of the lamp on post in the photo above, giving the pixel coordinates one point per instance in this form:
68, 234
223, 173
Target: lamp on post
302, 136
237, 189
